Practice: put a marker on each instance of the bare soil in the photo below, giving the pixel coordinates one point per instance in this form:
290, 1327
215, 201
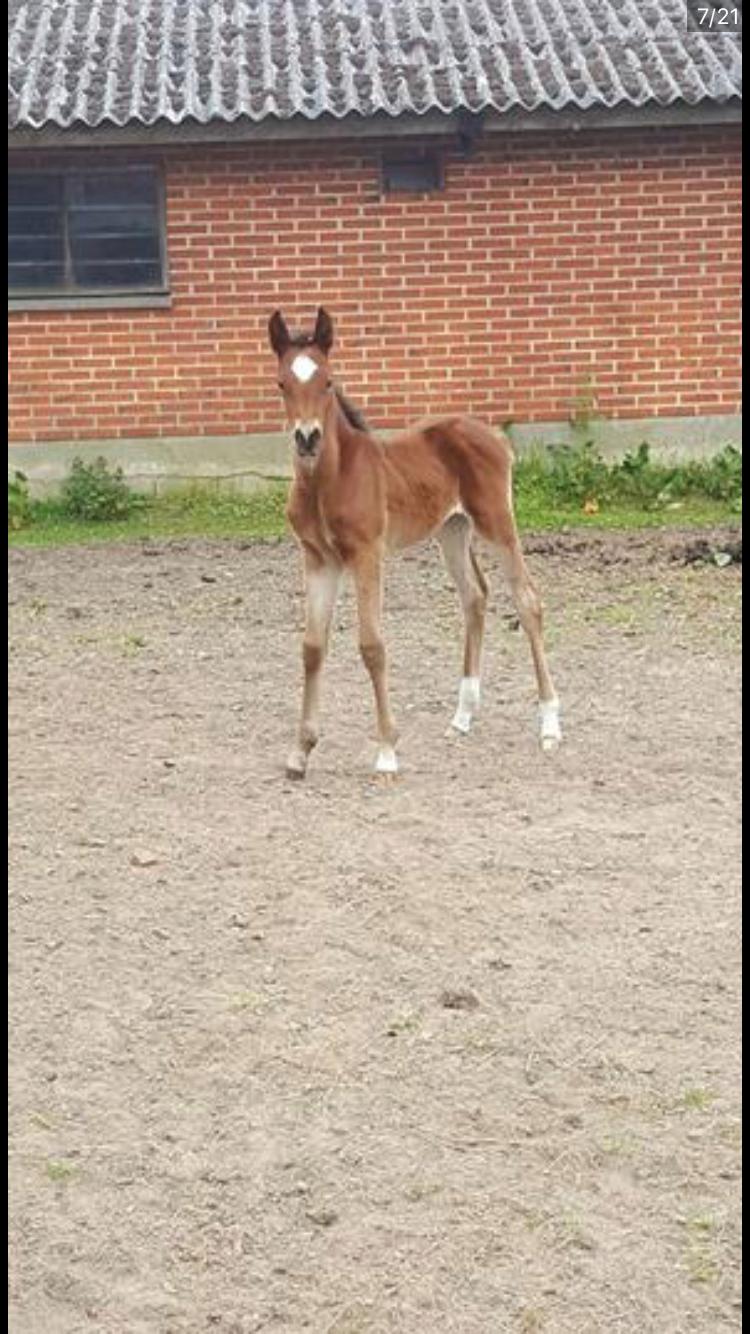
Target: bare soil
462, 1055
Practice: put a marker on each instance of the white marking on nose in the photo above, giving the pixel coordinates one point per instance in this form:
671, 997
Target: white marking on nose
307, 428
303, 367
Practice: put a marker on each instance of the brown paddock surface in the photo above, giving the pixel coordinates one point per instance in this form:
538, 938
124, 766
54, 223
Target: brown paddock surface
461, 1055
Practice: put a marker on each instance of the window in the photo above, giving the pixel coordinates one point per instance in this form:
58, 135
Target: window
85, 233
419, 174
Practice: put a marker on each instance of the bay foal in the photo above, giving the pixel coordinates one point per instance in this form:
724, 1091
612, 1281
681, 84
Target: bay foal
355, 498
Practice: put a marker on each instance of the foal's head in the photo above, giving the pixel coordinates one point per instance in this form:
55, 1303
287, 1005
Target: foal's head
304, 380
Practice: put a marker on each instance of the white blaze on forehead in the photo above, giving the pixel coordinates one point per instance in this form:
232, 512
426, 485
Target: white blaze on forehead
304, 367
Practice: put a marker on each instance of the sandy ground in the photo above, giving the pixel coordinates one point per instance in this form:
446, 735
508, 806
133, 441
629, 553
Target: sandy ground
458, 1056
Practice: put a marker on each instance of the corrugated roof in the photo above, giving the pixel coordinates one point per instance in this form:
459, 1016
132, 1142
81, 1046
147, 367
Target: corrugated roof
121, 62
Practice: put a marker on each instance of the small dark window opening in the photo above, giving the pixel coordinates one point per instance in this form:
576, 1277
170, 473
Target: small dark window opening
420, 174
94, 232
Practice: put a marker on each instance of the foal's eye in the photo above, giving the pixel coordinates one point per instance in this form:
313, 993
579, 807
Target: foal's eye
280, 384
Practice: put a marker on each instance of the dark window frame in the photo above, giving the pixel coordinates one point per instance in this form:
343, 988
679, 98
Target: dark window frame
431, 158
73, 294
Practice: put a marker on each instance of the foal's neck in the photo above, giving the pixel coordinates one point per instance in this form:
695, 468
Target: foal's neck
340, 438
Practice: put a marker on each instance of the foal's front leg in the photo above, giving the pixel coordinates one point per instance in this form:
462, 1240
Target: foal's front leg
368, 579
321, 588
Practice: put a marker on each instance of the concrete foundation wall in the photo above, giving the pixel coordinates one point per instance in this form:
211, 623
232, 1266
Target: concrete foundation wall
248, 461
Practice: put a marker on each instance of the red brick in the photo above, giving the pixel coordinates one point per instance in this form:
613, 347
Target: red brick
613, 257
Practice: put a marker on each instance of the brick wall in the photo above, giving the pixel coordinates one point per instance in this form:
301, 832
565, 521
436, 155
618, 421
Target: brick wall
602, 268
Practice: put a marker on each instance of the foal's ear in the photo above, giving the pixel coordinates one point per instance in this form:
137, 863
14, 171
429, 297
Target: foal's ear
323, 336
278, 333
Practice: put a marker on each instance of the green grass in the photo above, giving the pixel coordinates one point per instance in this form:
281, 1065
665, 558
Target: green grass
59, 1172
538, 514
261, 515
697, 1099
197, 513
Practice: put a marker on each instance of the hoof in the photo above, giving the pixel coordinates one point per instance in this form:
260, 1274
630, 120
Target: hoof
385, 779
460, 725
550, 744
386, 765
296, 765
468, 704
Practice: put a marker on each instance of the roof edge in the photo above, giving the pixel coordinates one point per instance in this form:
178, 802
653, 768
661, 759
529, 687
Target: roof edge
380, 125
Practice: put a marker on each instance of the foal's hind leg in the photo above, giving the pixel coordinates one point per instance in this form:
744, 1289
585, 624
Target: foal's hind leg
455, 543
528, 604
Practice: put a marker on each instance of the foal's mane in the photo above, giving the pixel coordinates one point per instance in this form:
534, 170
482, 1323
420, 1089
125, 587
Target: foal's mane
353, 415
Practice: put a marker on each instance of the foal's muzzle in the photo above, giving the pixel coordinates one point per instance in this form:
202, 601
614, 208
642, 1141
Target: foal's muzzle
307, 441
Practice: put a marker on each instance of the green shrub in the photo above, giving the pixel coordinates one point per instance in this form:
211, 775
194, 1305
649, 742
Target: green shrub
637, 478
19, 500
578, 474
94, 491
719, 477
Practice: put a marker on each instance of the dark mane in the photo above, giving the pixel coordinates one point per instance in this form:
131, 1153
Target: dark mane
353, 415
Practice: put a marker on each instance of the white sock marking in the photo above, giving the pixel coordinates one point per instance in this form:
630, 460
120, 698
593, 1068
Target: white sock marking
468, 703
387, 761
550, 733
304, 367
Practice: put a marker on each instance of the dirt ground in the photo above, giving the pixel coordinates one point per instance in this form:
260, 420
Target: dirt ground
462, 1055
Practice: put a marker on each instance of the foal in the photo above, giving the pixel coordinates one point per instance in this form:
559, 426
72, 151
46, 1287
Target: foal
354, 498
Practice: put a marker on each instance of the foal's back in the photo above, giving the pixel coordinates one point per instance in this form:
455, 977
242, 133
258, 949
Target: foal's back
442, 465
